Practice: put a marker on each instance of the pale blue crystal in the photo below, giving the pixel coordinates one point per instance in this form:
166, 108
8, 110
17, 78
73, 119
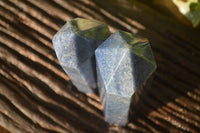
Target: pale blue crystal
124, 62
74, 45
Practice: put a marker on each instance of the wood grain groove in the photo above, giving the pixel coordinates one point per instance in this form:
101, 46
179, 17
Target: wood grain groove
10, 124
57, 101
11, 111
53, 101
35, 12
29, 110
27, 20
34, 55
171, 115
176, 107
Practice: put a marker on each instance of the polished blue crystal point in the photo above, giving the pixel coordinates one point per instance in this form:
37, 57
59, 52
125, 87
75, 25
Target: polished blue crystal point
74, 45
124, 62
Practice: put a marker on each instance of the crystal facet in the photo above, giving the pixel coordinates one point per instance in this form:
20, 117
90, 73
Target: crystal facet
75, 44
124, 63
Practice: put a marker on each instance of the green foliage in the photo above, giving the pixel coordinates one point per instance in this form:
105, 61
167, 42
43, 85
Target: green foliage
191, 9
194, 13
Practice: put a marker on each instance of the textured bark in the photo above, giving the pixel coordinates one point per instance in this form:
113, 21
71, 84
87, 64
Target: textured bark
37, 96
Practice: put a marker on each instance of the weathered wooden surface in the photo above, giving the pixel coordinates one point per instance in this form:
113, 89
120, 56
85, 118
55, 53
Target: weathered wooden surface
3, 130
37, 96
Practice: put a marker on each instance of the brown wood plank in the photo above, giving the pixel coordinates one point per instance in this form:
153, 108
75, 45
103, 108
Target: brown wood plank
37, 96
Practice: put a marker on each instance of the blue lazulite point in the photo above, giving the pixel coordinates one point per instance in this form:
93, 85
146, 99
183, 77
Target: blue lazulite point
124, 62
74, 45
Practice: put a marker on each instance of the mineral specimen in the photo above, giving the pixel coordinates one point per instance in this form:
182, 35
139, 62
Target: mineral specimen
124, 62
75, 44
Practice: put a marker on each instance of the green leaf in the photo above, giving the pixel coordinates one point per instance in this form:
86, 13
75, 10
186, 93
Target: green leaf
194, 14
189, 8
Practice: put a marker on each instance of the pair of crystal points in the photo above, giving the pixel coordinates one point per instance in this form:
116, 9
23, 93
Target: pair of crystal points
117, 64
